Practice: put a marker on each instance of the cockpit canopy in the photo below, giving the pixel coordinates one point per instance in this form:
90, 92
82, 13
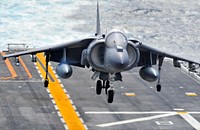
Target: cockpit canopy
116, 38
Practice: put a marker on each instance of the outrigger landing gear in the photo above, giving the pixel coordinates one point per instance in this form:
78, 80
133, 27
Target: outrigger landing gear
158, 86
108, 85
46, 80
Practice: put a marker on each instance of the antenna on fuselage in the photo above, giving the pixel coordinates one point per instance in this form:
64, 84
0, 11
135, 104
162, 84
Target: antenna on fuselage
98, 26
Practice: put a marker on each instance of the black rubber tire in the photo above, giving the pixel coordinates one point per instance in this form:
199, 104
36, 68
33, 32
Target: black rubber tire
98, 87
46, 83
110, 96
158, 87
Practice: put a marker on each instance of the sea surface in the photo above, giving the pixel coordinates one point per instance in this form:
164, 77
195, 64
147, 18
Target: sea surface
171, 26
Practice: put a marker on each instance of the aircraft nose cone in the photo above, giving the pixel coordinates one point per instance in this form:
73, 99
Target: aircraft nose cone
119, 62
122, 63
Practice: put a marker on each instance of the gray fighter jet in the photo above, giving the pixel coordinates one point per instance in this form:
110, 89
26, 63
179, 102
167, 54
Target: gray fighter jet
107, 55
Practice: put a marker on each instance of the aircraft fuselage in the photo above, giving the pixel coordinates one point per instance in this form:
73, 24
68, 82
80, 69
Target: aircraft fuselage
116, 58
112, 53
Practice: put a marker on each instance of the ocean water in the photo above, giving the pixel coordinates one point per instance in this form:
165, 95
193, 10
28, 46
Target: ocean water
37, 22
171, 26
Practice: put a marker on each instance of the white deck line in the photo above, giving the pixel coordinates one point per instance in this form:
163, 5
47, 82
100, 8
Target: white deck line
136, 120
191, 120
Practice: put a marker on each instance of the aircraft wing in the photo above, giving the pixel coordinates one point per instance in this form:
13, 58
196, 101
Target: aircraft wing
74, 50
146, 50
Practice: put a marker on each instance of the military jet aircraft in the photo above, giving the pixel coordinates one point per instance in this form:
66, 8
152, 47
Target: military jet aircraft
108, 55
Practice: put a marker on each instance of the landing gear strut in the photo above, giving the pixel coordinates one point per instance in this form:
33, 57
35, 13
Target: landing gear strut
158, 86
100, 85
111, 90
108, 85
46, 80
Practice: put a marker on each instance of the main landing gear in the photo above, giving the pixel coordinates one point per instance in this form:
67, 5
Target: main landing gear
108, 86
102, 85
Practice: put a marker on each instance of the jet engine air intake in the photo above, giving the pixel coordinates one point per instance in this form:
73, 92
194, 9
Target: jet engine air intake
64, 70
95, 57
148, 73
134, 55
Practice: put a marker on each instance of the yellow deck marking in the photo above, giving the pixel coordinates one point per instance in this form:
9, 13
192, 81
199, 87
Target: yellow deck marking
191, 94
130, 94
182, 112
42, 70
6, 78
62, 101
10, 67
25, 68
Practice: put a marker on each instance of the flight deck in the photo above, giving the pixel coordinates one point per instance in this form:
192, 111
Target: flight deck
24, 104
73, 104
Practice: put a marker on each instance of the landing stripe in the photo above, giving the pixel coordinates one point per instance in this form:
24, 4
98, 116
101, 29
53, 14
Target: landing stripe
25, 68
62, 101
185, 115
136, 120
10, 67
129, 112
191, 120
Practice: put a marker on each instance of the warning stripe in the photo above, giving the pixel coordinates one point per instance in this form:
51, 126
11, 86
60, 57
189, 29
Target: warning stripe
62, 101
25, 68
10, 67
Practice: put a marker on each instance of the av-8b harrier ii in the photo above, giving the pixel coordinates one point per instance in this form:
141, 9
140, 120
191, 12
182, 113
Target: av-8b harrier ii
108, 55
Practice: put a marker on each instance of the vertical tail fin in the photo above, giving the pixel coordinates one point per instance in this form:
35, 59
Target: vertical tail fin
98, 26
